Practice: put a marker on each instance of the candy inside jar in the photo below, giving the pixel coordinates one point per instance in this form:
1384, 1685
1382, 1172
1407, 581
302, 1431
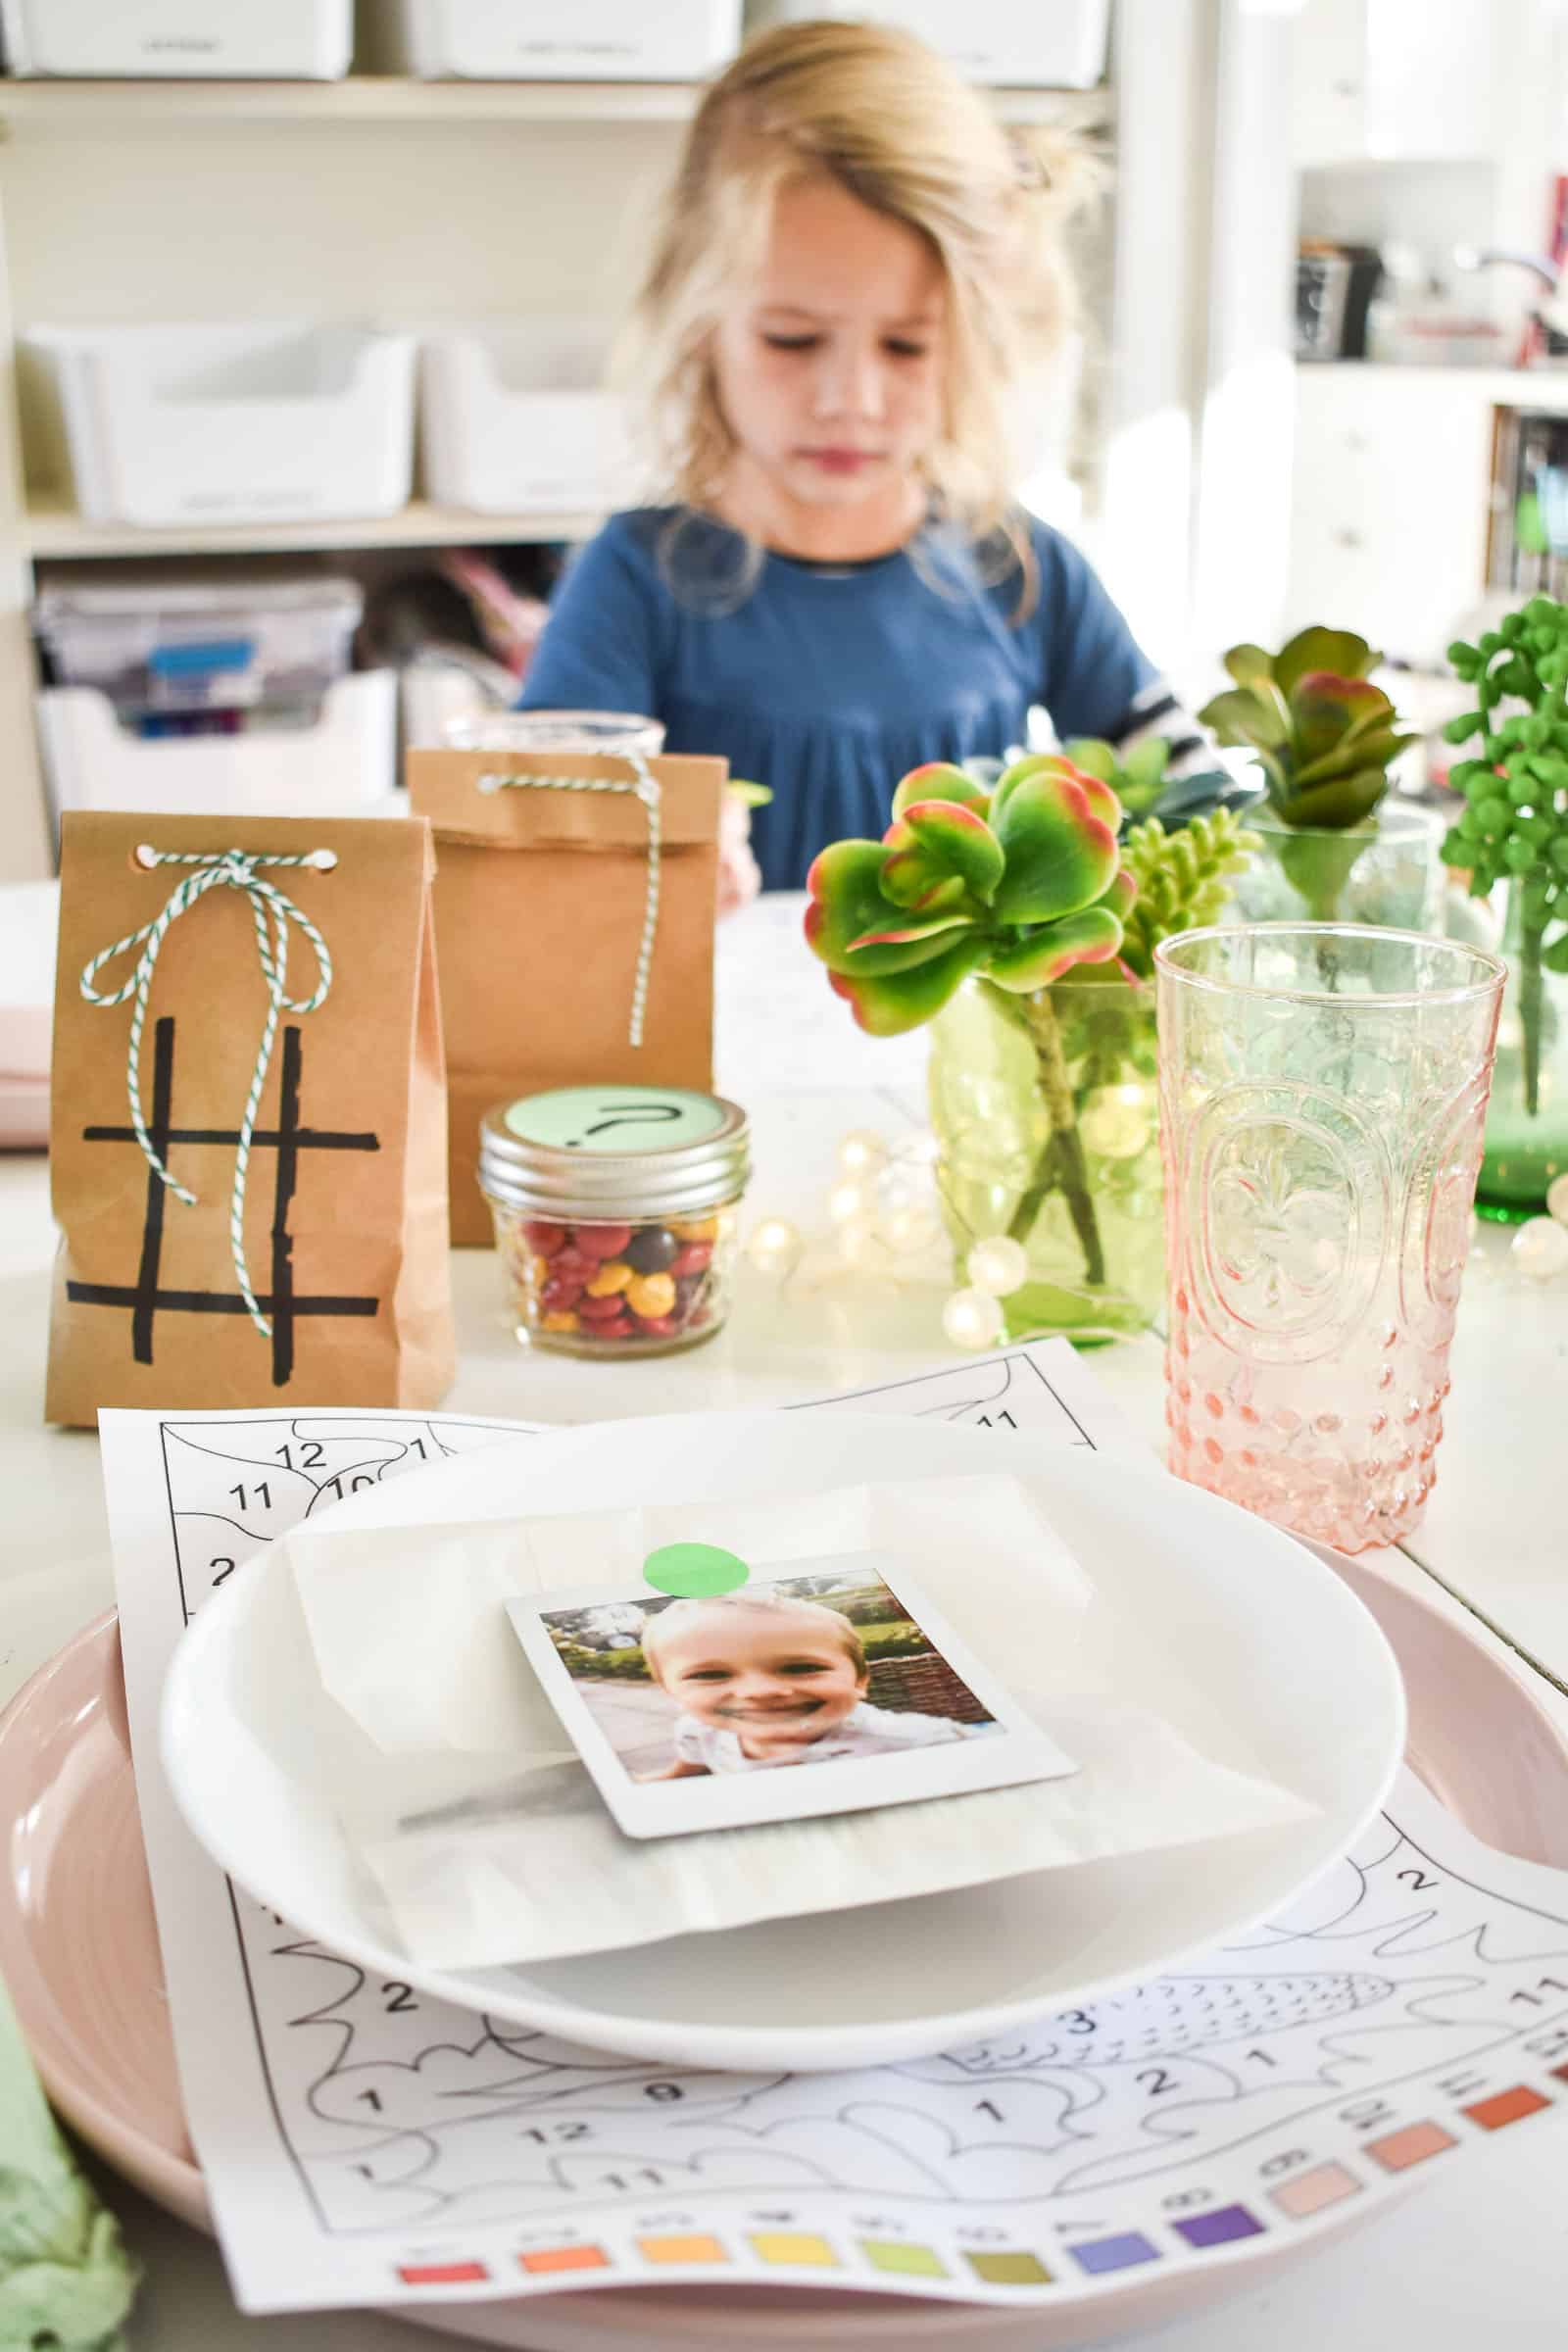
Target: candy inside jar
615, 1215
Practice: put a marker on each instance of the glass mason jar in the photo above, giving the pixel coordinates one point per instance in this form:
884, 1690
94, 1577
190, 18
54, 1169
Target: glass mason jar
1527, 1119
1046, 1124
615, 1214
1387, 872
610, 731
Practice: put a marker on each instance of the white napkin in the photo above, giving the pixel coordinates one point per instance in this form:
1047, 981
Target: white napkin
492, 1845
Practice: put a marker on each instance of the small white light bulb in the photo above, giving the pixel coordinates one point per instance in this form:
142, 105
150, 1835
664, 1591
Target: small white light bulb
972, 1319
851, 1203
998, 1265
1557, 1199
1540, 1249
861, 1153
774, 1247
910, 1226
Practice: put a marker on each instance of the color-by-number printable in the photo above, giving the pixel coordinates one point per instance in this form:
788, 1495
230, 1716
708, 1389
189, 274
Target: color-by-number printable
363, 2143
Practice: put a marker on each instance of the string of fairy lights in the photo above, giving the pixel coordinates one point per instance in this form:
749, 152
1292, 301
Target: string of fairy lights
885, 1223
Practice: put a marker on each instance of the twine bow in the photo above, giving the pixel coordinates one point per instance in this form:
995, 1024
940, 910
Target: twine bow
644, 787
272, 913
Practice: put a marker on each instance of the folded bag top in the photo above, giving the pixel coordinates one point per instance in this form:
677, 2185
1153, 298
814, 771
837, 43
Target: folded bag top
575, 902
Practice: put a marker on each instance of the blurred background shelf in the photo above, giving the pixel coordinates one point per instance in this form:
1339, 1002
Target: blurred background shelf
51, 528
71, 107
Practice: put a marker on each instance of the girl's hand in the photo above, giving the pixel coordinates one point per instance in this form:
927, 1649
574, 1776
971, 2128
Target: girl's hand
739, 877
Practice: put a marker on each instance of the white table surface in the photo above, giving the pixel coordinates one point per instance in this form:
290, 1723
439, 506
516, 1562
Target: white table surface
1480, 2257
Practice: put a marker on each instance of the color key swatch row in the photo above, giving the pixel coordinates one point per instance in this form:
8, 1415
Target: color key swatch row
1297, 2198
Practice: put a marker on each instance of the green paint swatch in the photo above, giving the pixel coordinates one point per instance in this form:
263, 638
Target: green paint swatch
690, 1570
915, 2262
1010, 2270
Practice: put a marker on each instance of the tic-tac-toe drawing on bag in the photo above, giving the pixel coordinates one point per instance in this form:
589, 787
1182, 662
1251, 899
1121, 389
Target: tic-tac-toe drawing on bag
247, 1143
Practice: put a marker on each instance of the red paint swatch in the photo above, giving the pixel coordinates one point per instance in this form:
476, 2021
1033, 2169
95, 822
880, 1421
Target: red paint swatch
442, 2274
1506, 2107
566, 2258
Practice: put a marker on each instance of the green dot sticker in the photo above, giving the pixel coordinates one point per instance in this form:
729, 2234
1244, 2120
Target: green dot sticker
693, 1571
615, 1118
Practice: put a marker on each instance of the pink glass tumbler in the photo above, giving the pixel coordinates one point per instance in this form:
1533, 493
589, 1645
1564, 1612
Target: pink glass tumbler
1323, 1090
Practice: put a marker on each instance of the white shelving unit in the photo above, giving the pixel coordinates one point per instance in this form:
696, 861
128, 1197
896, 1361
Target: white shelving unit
409, 202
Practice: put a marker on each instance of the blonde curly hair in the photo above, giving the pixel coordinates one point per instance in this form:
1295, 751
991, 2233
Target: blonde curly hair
891, 121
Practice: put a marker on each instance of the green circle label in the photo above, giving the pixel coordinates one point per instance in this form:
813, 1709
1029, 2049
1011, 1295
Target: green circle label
615, 1118
694, 1570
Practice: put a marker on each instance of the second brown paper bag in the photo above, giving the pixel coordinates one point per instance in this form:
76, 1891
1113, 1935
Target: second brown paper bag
574, 908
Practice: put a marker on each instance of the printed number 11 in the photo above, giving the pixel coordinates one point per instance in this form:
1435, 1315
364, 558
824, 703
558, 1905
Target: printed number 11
984, 1420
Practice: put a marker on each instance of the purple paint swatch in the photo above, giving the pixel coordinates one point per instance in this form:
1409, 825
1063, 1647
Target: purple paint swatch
1220, 2228
1115, 2253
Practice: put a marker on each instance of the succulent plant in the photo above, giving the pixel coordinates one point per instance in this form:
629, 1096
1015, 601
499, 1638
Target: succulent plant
1322, 733
1143, 789
1016, 885
1183, 881
1515, 823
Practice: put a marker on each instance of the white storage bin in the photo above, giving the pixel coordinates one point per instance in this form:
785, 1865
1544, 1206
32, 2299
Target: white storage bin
182, 644
343, 765
261, 423
1043, 44
564, 40
311, 40
513, 419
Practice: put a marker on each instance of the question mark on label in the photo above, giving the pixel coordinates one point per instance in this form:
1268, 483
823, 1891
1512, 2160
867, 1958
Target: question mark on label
626, 1114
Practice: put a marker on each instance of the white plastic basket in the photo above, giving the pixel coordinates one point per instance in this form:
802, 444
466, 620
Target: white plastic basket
513, 419
183, 644
346, 764
309, 40
563, 40
261, 423
1044, 44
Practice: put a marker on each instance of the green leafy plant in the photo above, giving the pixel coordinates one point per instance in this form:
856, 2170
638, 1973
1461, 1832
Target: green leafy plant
1137, 781
1145, 788
1323, 736
1183, 881
1321, 732
1016, 887
1515, 823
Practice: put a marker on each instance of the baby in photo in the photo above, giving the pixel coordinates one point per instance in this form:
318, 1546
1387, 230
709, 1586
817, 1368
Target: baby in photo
763, 1678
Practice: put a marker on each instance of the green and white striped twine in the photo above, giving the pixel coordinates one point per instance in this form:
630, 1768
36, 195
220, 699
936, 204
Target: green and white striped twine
272, 913
645, 787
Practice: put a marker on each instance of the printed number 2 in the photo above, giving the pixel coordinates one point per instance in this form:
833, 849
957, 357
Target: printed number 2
402, 1996
221, 1567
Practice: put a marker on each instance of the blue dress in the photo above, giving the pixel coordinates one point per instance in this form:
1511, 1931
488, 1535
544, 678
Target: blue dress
829, 681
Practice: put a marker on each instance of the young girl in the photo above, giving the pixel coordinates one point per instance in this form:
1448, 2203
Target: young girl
853, 264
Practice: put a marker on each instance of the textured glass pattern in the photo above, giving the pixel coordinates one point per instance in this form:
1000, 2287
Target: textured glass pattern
1323, 1094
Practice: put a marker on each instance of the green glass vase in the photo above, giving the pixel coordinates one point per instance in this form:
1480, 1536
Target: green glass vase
1045, 1114
1527, 1118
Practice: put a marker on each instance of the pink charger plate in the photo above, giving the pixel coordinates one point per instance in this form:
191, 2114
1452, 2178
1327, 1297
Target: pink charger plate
79, 1951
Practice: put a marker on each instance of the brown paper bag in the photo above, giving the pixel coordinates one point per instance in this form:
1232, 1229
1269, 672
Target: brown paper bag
342, 1223
542, 921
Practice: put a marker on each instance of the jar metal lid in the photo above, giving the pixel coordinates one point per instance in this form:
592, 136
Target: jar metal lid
609, 1153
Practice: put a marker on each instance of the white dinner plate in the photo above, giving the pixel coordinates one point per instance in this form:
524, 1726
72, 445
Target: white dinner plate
1260, 1655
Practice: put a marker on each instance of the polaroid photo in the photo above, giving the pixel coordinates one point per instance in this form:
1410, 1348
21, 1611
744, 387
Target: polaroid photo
825, 1685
